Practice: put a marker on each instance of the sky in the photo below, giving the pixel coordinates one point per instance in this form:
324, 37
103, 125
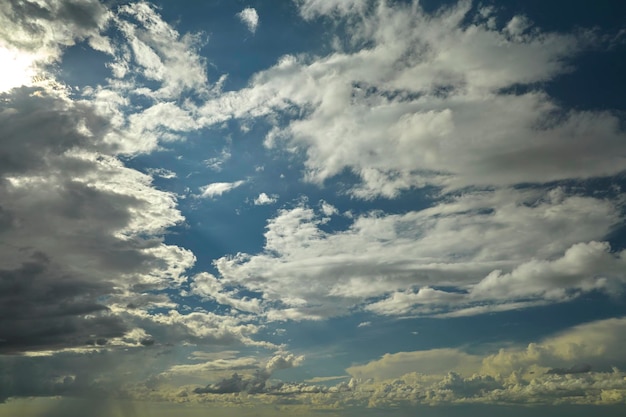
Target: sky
312, 208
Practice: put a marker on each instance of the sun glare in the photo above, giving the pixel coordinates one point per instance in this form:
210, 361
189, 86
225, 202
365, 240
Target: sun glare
17, 68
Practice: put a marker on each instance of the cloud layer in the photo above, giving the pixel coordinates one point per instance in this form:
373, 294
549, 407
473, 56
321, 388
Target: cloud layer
518, 197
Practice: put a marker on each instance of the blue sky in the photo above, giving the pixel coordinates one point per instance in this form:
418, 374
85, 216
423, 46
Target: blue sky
312, 207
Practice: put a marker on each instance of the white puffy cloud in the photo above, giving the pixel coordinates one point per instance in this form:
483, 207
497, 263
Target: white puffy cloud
264, 199
597, 344
250, 18
216, 189
428, 362
494, 249
156, 73
577, 366
583, 267
429, 102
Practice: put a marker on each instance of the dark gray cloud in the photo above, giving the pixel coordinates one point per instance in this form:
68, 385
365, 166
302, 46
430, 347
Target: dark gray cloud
38, 128
90, 375
71, 241
44, 307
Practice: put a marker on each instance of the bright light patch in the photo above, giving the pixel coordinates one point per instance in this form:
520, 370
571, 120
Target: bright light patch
17, 68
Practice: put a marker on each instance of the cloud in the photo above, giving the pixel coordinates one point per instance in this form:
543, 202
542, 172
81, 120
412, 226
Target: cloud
159, 71
216, 189
553, 371
250, 18
596, 344
207, 286
414, 389
584, 267
328, 209
310, 9
84, 266
87, 278
42, 30
198, 327
408, 110
264, 199
162, 173
571, 367
80, 228
429, 362
255, 383
214, 366
470, 243
159, 53
216, 163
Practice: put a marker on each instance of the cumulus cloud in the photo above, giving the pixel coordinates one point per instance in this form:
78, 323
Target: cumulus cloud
409, 109
216, 189
400, 103
414, 389
255, 383
81, 226
578, 366
84, 264
264, 199
250, 18
428, 362
596, 344
469, 243
558, 369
